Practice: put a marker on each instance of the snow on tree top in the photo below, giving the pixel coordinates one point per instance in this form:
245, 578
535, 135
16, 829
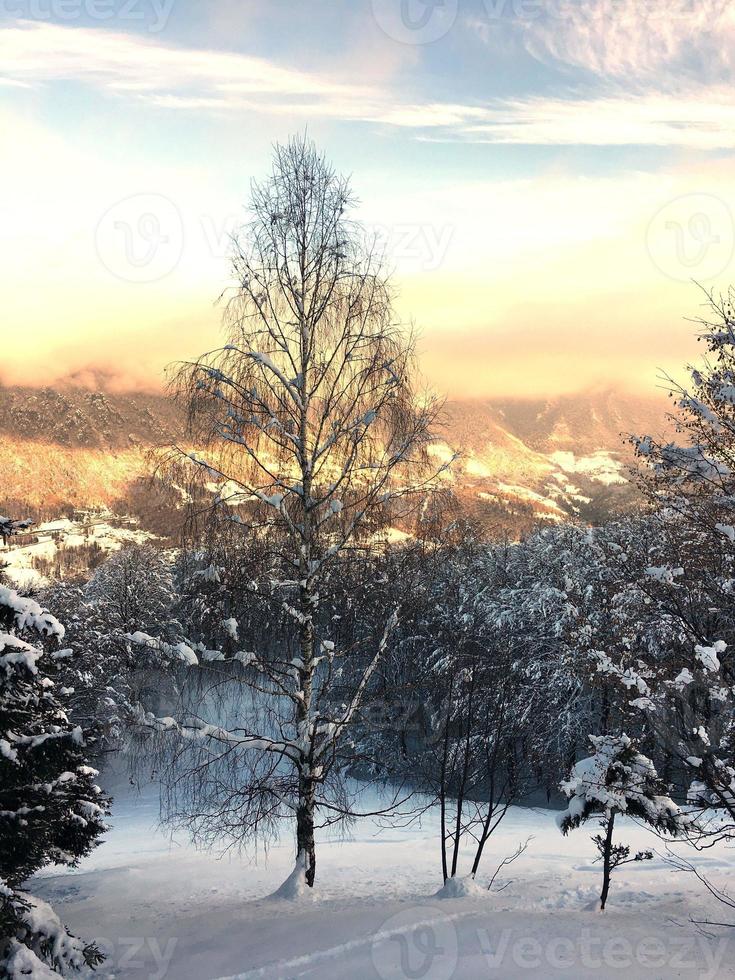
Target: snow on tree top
708, 656
618, 779
29, 614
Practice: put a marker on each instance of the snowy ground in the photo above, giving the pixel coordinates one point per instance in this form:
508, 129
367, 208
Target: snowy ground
18, 561
162, 910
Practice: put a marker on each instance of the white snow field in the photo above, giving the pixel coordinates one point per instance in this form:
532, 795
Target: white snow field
163, 911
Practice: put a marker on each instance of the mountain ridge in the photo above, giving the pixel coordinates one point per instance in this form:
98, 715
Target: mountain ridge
521, 460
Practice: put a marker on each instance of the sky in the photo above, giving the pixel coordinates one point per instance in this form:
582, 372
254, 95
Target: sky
553, 180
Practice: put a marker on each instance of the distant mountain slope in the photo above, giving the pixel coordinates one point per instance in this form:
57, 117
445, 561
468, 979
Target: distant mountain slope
69, 447
580, 423
91, 419
49, 476
554, 458
589, 423
520, 460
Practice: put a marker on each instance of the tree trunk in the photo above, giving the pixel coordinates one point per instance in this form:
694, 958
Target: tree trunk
305, 846
457, 834
462, 788
481, 843
606, 868
484, 836
443, 831
443, 783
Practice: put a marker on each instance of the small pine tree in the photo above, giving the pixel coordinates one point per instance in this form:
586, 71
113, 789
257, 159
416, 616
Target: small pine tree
51, 811
617, 778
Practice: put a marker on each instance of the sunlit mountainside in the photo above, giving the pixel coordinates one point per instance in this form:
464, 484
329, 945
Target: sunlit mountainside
548, 458
519, 460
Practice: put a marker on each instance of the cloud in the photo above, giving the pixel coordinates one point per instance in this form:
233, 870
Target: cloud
699, 117
664, 41
98, 375
653, 73
130, 65
703, 119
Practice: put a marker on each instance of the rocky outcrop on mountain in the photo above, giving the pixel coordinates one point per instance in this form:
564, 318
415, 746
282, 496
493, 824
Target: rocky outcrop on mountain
78, 418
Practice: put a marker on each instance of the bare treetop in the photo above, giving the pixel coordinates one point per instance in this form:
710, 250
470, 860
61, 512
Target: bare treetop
314, 393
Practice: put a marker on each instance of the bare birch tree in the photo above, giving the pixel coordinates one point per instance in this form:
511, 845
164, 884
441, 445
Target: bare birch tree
308, 426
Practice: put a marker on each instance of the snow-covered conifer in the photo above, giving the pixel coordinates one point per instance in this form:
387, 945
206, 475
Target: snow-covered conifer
51, 810
618, 779
676, 590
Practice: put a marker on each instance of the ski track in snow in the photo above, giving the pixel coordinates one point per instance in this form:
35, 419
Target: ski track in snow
163, 911
382, 936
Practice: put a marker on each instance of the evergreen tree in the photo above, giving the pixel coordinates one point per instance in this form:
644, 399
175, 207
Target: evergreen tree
51, 811
687, 679
615, 779
107, 676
